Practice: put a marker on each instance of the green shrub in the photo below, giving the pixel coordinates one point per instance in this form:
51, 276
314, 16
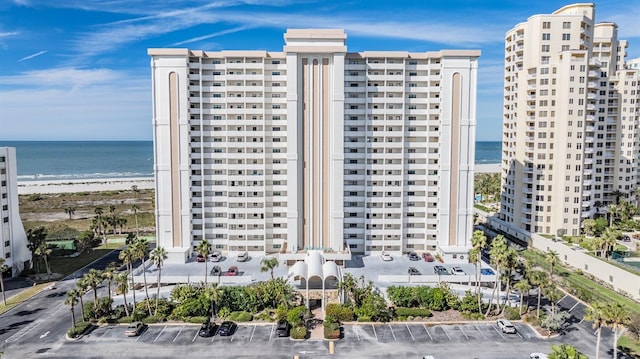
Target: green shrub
330, 333
265, 315
297, 315
125, 320
241, 317
364, 319
511, 313
79, 329
401, 318
197, 319
472, 316
298, 333
415, 312
339, 313
153, 319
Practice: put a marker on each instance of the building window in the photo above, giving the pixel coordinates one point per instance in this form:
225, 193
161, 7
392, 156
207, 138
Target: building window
546, 25
566, 25
546, 36
566, 37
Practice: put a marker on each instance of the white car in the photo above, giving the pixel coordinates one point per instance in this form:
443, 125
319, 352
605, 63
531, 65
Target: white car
513, 300
506, 326
538, 356
457, 271
386, 257
215, 256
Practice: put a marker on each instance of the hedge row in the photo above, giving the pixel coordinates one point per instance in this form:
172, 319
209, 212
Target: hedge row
240, 317
79, 329
298, 333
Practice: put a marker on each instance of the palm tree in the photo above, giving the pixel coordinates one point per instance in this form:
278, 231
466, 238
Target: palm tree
596, 315
539, 279
522, 286
214, 294
617, 194
121, 222
72, 300
158, 255
81, 288
93, 279
566, 351
3, 268
128, 257
269, 264
478, 242
122, 283
498, 257
141, 249
510, 264
43, 251
551, 257
608, 242
70, 211
135, 209
99, 211
617, 316
204, 249
614, 211
108, 274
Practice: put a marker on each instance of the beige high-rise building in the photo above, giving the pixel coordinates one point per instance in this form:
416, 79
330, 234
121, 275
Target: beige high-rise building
570, 130
314, 148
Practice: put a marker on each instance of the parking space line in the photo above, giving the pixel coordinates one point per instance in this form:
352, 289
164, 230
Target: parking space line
374, 331
575, 305
521, 337
463, 333
412, 338
480, 331
271, 331
214, 336
253, 331
497, 331
159, 334
445, 332
427, 330
392, 333
194, 337
106, 331
561, 299
179, 331
355, 329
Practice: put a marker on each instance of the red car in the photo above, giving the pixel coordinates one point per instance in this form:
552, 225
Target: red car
200, 258
427, 257
232, 271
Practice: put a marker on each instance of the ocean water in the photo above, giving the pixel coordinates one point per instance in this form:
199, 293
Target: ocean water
69, 160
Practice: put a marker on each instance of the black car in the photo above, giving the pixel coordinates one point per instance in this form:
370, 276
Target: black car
283, 328
207, 330
216, 271
413, 256
413, 271
226, 328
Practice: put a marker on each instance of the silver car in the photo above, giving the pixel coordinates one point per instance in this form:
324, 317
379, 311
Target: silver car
506, 326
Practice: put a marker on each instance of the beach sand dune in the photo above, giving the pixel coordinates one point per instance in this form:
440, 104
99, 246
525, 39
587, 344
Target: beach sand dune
86, 185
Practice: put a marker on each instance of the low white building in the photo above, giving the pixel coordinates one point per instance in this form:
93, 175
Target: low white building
13, 239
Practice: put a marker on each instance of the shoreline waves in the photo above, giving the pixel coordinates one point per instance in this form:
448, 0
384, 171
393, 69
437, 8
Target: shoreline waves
119, 184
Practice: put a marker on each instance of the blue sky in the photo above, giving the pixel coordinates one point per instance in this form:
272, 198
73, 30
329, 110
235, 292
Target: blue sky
78, 69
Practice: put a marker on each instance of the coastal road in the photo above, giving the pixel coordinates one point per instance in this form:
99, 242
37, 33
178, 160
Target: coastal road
44, 319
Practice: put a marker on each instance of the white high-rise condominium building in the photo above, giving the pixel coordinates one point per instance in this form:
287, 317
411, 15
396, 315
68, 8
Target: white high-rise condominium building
12, 237
314, 147
570, 131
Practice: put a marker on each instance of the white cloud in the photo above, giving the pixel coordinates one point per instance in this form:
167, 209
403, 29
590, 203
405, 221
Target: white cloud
33, 55
87, 104
215, 34
9, 33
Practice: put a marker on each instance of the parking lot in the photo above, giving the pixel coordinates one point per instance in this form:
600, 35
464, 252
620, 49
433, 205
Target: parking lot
187, 334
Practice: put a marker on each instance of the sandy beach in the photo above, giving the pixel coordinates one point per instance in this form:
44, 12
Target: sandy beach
488, 168
86, 185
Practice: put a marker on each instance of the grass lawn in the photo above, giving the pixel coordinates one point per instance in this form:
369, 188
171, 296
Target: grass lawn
68, 265
482, 208
22, 296
629, 346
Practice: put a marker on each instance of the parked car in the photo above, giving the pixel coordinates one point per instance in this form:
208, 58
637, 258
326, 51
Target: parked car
216, 256
226, 328
216, 271
457, 271
413, 256
207, 329
440, 270
231, 272
243, 257
386, 257
506, 326
486, 271
283, 328
427, 257
513, 300
134, 329
538, 356
413, 271
200, 258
